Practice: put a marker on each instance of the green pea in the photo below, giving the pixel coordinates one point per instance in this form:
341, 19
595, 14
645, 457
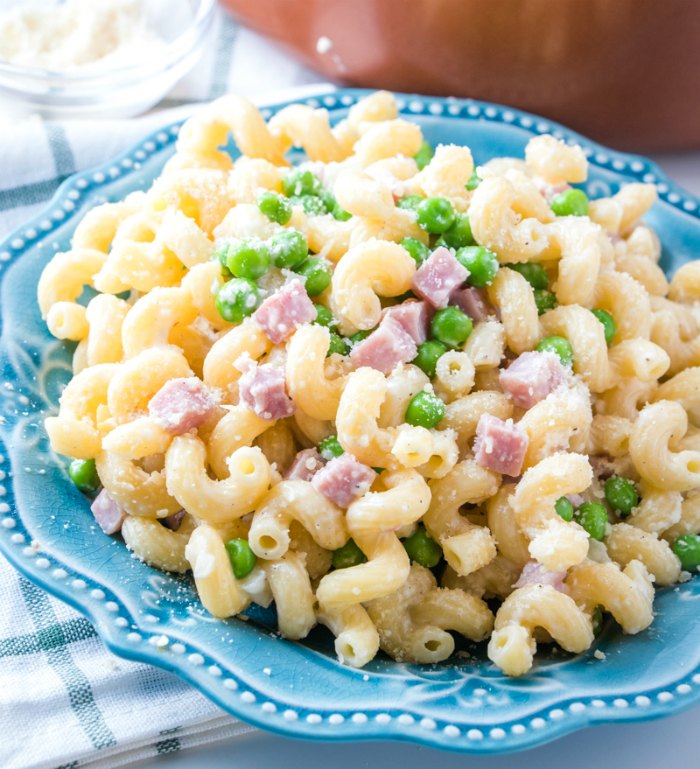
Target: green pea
248, 258
317, 274
621, 495
571, 202
424, 410
330, 447
481, 263
237, 299
418, 251
597, 620
358, 336
409, 202
422, 548
687, 548
424, 155
83, 473
297, 183
324, 317
560, 346
451, 326
241, 556
333, 208
312, 204
428, 355
275, 207
564, 509
474, 181
348, 555
338, 345
460, 233
593, 517
435, 215
288, 248
341, 214
328, 198
608, 324
544, 300
535, 274
221, 253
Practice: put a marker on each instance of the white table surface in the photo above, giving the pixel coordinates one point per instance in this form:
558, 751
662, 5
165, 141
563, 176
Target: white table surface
652, 745
649, 745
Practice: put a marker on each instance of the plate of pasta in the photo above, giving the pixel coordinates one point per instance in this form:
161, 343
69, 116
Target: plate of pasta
370, 415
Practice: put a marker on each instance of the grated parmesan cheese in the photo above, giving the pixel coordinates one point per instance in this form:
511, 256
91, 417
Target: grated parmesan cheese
78, 35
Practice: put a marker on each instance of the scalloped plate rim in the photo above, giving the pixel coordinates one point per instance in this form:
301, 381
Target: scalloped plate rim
99, 616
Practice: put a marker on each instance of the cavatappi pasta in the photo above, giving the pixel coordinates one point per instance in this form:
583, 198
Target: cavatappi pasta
383, 386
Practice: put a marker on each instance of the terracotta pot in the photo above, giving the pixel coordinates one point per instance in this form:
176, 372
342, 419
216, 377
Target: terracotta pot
626, 72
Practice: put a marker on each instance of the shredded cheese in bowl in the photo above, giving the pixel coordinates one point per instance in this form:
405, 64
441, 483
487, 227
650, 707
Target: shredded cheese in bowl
78, 35
81, 58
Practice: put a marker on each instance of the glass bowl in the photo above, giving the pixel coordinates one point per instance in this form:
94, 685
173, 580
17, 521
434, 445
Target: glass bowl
119, 91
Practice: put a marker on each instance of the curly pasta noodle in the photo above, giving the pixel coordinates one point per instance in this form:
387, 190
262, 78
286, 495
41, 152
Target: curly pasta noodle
372, 522
651, 447
269, 534
626, 593
412, 623
466, 547
555, 543
512, 645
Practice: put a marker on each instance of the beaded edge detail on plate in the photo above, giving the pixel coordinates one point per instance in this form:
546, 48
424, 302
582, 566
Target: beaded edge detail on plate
137, 639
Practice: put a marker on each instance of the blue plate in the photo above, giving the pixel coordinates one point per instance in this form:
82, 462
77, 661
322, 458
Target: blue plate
299, 689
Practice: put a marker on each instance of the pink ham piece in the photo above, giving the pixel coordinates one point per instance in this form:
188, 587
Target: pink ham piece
263, 390
108, 514
500, 446
343, 480
438, 277
305, 465
550, 191
385, 348
182, 405
603, 466
284, 311
534, 573
531, 377
174, 521
413, 317
473, 302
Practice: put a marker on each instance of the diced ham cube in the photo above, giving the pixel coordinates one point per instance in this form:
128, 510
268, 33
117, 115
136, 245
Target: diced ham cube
182, 405
438, 277
473, 302
549, 190
343, 480
305, 465
107, 512
500, 446
534, 573
603, 466
284, 311
531, 377
386, 347
413, 317
174, 521
263, 390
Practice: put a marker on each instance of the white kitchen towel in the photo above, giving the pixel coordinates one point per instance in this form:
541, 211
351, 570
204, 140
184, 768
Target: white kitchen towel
66, 702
